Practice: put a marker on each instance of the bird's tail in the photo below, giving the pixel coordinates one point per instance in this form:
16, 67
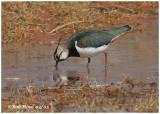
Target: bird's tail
119, 30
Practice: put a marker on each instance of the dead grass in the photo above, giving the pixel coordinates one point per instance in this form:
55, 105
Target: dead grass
24, 22
141, 97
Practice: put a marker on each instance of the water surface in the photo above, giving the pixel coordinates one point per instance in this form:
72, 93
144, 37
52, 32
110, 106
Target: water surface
135, 55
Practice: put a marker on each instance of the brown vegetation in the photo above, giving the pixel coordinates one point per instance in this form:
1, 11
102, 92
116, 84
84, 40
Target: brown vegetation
126, 96
28, 22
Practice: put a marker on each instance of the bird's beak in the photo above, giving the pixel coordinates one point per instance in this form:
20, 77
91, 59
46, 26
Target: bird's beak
56, 65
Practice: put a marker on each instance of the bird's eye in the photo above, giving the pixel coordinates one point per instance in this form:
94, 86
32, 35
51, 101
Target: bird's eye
57, 57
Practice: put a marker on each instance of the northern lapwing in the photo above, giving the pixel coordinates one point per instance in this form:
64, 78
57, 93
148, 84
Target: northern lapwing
88, 43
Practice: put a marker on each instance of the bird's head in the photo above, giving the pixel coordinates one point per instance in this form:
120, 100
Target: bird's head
61, 53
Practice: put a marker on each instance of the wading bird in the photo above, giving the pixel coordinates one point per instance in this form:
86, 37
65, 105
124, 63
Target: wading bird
88, 43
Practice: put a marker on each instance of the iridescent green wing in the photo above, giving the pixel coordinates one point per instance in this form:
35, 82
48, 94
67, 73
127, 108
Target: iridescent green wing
95, 39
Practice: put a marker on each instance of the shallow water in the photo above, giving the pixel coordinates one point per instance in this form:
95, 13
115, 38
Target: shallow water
135, 55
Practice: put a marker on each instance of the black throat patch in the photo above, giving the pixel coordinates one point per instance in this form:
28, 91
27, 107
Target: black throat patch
73, 52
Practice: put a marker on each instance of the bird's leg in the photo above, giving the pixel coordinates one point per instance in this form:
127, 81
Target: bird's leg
88, 69
89, 60
105, 65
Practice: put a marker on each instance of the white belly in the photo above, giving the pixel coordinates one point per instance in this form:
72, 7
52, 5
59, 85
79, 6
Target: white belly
90, 51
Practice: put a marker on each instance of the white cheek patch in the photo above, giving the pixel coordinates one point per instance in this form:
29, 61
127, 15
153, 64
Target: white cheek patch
64, 55
90, 51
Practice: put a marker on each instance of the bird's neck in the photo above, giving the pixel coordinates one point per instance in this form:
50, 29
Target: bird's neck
73, 52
